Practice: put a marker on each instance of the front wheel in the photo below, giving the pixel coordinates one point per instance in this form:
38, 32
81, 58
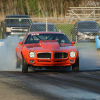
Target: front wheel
24, 65
75, 67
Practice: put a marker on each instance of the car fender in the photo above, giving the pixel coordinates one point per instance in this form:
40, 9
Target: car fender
24, 53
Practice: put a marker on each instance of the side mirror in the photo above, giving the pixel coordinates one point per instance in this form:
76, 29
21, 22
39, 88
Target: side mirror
72, 42
61, 31
20, 43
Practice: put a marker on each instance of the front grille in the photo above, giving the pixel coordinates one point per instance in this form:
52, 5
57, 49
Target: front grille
44, 61
44, 55
59, 55
19, 27
14, 29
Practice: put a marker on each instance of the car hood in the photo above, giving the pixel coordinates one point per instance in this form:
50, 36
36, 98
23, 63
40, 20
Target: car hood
47, 46
89, 30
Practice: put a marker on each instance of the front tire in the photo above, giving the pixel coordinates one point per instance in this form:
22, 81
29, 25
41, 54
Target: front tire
24, 65
75, 67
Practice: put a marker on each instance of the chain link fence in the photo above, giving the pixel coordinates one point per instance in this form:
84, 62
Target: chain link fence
82, 32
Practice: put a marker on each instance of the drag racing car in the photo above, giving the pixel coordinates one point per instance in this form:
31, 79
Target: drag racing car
47, 50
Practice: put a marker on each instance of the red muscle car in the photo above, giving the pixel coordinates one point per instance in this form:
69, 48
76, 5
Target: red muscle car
48, 50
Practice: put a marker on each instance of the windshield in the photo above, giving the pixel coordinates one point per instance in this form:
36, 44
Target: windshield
42, 28
60, 38
18, 21
88, 25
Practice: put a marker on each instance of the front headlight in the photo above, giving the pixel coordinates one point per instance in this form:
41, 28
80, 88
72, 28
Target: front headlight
25, 30
31, 54
8, 29
72, 54
79, 33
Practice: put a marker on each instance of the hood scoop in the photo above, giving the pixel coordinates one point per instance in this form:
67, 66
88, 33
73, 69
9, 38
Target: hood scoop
49, 44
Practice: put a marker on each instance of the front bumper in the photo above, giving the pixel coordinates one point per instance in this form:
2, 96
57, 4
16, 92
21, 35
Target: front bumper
51, 58
50, 62
85, 37
16, 33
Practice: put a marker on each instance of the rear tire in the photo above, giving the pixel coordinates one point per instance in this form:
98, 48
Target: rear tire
17, 62
24, 65
75, 67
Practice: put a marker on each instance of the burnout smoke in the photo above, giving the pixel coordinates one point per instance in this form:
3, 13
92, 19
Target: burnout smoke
89, 57
8, 54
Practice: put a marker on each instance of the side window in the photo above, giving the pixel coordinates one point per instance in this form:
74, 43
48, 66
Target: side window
36, 38
29, 40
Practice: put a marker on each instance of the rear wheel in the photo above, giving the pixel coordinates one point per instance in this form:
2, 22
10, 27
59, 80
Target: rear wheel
24, 65
17, 62
75, 67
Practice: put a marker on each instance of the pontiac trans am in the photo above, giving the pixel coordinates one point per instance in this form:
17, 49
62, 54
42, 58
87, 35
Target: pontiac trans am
47, 50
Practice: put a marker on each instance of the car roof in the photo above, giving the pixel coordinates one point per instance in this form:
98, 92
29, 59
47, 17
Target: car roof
41, 23
45, 33
17, 16
86, 21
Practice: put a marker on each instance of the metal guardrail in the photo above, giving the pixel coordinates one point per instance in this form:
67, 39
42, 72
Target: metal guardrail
83, 13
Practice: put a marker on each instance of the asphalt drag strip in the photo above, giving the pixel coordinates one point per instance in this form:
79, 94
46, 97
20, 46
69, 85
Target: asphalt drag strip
50, 86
